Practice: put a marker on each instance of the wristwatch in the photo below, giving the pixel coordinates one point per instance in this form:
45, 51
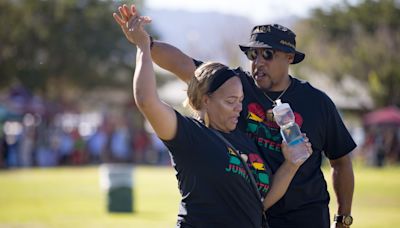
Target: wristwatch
346, 220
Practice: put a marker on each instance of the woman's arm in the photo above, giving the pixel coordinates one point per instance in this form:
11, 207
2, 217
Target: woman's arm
285, 174
161, 116
280, 183
165, 55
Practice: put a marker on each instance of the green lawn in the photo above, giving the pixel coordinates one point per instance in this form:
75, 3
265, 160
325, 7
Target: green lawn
71, 197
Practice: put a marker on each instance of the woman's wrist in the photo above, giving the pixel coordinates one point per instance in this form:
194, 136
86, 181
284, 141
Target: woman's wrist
290, 166
145, 44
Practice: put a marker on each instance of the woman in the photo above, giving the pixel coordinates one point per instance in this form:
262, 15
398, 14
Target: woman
214, 184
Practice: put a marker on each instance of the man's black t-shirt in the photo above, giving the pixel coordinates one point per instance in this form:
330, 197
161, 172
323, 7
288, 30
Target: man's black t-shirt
317, 116
214, 185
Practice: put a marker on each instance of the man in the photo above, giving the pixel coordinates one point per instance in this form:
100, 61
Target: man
271, 50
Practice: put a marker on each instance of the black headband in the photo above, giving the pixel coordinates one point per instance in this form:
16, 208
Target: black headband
220, 77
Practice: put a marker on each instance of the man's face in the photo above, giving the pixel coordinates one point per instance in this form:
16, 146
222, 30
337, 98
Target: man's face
270, 68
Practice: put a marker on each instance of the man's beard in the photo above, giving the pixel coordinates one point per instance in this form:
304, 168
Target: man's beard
264, 89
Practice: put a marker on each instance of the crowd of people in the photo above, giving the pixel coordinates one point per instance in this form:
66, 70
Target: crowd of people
381, 145
31, 140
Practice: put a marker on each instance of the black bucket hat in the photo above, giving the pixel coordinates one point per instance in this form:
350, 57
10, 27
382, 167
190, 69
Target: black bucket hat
276, 37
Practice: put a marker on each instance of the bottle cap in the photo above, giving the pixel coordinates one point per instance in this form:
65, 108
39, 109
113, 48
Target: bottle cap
280, 108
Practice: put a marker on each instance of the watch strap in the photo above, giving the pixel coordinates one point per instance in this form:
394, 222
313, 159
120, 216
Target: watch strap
346, 220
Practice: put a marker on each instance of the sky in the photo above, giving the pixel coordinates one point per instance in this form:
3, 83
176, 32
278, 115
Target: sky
256, 10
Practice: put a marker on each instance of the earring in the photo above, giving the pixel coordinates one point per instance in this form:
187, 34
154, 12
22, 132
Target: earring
206, 120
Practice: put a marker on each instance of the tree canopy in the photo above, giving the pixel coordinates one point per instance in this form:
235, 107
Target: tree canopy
49, 44
360, 40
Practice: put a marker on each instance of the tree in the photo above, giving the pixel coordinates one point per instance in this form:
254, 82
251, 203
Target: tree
361, 40
48, 45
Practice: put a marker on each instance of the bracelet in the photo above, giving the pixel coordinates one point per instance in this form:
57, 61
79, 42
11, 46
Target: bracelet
151, 42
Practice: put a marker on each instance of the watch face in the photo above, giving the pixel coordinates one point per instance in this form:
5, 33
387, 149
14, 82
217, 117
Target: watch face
348, 220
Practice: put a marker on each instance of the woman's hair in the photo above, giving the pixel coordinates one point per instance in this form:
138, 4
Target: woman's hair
199, 84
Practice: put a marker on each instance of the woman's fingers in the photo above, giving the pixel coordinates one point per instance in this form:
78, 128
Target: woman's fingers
307, 142
126, 11
118, 19
143, 21
133, 10
146, 19
129, 17
137, 22
309, 148
284, 145
122, 13
133, 23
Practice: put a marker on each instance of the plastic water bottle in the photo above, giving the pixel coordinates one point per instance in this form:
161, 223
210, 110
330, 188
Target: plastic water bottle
290, 131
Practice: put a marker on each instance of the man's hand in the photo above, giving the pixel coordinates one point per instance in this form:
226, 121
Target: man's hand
132, 24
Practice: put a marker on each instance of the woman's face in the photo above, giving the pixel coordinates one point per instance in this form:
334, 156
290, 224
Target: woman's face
224, 105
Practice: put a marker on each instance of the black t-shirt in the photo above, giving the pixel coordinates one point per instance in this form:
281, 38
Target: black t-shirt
318, 117
214, 185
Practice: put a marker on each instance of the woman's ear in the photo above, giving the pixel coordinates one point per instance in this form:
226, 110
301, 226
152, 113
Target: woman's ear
205, 100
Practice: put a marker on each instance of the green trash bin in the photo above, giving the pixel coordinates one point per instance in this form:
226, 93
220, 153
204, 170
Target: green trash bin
116, 180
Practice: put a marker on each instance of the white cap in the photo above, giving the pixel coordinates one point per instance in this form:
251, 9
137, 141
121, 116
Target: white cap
280, 108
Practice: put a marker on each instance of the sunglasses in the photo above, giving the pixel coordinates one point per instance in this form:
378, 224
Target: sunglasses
267, 54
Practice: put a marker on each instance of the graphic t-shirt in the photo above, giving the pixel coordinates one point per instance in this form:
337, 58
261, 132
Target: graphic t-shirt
317, 116
215, 188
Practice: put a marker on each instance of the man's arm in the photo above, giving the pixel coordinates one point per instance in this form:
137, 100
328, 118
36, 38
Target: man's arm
343, 183
174, 60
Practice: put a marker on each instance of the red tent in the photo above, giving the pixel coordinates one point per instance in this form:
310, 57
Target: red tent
388, 115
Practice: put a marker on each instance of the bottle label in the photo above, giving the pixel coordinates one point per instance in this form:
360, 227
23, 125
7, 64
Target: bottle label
296, 141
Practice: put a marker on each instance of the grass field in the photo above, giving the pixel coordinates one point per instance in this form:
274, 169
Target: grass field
71, 197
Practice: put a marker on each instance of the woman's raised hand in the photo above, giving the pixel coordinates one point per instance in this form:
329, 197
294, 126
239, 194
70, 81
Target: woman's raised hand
132, 24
